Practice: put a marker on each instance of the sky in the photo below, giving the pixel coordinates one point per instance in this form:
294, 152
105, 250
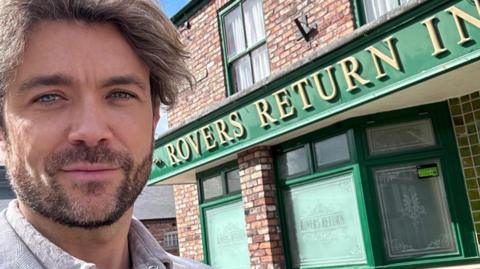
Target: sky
170, 7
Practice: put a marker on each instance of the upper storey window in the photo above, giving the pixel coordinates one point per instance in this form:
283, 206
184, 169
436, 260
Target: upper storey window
376, 8
245, 50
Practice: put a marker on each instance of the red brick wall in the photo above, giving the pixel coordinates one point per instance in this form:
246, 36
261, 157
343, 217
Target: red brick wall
202, 38
261, 212
158, 228
188, 222
333, 18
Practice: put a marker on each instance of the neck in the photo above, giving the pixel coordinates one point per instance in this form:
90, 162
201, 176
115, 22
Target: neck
106, 247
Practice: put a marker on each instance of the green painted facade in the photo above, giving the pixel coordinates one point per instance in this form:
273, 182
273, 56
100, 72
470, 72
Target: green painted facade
389, 58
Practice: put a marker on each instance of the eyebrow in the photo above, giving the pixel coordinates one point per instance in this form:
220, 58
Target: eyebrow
46, 80
65, 80
124, 80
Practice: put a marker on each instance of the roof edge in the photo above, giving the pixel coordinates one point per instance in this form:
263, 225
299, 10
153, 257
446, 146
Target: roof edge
187, 11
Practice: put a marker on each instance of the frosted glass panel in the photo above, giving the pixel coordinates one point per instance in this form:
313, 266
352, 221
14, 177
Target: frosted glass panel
227, 237
254, 25
332, 150
261, 65
233, 181
324, 224
242, 73
293, 162
400, 137
414, 212
212, 187
234, 32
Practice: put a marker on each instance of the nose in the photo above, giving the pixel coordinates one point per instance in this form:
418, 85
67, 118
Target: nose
89, 124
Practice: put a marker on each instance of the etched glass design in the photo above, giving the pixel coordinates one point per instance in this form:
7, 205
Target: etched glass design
414, 212
294, 162
324, 223
400, 137
233, 181
227, 237
212, 187
332, 150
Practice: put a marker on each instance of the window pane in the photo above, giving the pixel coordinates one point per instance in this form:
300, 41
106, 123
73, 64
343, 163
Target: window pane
332, 150
227, 237
233, 180
376, 8
212, 187
254, 23
242, 73
324, 224
414, 212
399, 137
261, 66
234, 32
294, 162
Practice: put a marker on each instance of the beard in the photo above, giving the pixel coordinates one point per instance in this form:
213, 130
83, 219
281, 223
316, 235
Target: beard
48, 197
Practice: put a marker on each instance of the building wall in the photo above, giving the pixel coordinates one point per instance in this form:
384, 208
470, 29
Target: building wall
201, 36
159, 227
465, 112
188, 216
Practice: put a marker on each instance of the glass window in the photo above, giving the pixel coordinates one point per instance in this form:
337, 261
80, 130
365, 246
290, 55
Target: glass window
414, 211
212, 187
170, 240
233, 181
244, 34
376, 8
324, 223
294, 162
332, 150
226, 237
400, 137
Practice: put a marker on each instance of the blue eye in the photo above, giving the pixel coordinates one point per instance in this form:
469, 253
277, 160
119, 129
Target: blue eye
48, 98
121, 95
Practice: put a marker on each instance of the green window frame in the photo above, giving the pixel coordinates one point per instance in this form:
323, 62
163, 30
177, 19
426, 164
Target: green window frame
362, 166
257, 47
233, 234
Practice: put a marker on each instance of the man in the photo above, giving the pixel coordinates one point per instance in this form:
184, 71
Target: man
81, 82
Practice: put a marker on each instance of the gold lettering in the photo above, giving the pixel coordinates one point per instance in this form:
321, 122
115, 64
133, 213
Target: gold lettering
221, 127
194, 142
262, 111
319, 85
283, 102
377, 54
460, 14
234, 117
184, 155
208, 138
434, 37
171, 154
351, 74
300, 87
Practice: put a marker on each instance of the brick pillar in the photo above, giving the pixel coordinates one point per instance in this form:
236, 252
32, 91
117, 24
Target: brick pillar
261, 211
188, 221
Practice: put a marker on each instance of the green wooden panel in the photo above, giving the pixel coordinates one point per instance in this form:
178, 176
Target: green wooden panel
226, 237
324, 223
244, 123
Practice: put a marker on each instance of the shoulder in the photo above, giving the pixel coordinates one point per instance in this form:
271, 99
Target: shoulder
184, 263
14, 253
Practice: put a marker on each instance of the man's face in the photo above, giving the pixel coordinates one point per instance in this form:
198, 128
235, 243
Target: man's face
78, 124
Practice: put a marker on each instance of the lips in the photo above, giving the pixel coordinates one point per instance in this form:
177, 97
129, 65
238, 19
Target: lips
90, 171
